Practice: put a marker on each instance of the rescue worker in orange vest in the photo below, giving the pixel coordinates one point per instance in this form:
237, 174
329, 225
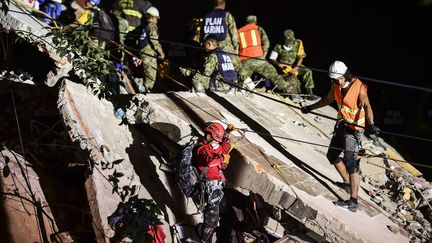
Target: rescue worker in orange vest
354, 110
253, 48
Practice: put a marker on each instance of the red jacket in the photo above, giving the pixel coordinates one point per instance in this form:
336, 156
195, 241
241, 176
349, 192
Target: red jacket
205, 155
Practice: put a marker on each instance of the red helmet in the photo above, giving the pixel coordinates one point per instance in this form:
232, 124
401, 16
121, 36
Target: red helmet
216, 130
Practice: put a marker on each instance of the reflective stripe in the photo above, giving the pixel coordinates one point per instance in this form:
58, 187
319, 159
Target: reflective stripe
358, 122
347, 109
242, 39
132, 12
130, 28
254, 38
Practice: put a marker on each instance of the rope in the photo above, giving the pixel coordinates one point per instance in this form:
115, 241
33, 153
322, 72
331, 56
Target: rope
419, 88
290, 105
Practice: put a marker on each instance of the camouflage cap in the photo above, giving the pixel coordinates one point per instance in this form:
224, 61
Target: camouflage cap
251, 19
289, 34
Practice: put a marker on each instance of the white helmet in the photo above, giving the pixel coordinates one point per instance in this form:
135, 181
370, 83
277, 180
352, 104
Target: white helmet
337, 69
152, 11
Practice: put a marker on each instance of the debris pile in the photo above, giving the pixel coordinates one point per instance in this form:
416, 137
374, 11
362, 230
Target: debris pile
408, 200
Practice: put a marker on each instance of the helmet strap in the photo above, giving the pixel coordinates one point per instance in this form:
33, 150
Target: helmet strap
215, 145
347, 83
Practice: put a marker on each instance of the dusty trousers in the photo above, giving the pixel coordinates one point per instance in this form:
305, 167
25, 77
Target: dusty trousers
213, 195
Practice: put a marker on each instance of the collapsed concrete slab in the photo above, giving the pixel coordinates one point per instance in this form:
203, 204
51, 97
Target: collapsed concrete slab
24, 211
93, 125
272, 160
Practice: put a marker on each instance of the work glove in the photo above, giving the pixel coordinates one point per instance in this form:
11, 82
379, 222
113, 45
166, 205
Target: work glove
372, 129
230, 128
226, 158
185, 72
306, 109
287, 69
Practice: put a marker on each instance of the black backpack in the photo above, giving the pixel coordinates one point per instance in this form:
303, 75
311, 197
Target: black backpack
187, 176
104, 28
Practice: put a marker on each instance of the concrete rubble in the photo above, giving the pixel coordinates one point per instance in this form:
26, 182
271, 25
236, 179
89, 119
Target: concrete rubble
269, 159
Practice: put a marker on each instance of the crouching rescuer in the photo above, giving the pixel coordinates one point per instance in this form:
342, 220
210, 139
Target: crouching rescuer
211, 158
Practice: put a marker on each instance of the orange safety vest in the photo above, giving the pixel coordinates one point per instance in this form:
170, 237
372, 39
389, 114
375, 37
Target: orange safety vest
348, 108
250, 42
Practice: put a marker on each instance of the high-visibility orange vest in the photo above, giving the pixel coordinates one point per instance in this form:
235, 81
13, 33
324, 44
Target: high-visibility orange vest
249, 42
348, 108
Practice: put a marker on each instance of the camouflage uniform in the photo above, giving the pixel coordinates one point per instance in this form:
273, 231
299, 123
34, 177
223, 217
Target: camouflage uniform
289, 57
264, 68
201, 80
230, 43
149, 56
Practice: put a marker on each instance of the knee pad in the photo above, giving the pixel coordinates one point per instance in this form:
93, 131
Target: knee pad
352, 166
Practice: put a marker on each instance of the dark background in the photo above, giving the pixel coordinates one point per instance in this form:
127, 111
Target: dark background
388, 40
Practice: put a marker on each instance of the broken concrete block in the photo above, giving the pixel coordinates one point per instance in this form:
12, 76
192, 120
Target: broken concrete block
273, 227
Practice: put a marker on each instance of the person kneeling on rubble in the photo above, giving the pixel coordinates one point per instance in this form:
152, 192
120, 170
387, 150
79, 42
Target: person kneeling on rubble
217, 66
211, 158
354, 109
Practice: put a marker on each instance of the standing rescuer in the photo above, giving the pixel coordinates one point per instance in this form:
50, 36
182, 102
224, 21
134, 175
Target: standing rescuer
354, 109
211, 158
151, 49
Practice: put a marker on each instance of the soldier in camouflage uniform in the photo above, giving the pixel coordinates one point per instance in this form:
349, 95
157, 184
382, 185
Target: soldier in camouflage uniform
221, 23
254, 45
289, 58
218, 65
151, 49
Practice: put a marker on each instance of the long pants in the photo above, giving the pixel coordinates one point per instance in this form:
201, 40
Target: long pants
213, 195
201, 83
269, 72
150, 71
304, 78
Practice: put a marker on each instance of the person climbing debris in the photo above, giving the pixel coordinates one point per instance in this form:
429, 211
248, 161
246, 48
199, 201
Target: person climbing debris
353, 111
211, 157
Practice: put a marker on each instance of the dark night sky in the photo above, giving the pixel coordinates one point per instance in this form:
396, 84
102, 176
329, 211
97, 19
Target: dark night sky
373, 40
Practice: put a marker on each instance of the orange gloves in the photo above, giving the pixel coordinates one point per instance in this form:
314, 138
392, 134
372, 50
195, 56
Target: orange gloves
226, 158
230, 128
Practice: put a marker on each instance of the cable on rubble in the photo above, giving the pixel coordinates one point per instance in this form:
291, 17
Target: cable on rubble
282, 102
408, 86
